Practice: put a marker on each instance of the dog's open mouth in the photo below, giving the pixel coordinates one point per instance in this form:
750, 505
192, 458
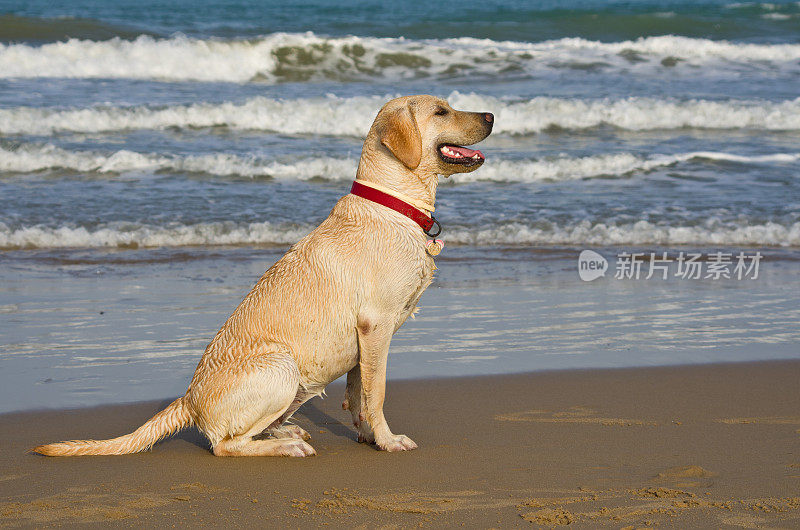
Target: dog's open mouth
455, 154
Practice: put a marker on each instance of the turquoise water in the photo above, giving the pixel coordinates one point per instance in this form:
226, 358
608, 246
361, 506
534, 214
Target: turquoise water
209, 131
497, 20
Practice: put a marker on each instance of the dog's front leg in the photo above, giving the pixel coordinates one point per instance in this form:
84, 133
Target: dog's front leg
373, 342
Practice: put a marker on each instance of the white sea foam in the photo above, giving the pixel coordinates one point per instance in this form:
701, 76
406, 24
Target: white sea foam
119, 234
303, 56
608, 165
711, 232
353, 116
36, 158
29, 158
326, 115
635, 113
766, 6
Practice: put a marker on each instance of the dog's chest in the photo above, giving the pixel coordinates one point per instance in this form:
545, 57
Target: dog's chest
418, 282
424, 278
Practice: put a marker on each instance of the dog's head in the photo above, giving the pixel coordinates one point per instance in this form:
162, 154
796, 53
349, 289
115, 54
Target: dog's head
428, 136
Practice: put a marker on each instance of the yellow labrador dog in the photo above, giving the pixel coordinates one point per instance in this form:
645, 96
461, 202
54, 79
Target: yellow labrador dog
329, 307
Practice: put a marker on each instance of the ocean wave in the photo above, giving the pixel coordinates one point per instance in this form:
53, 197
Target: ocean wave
765, 6
305, 56
30, 158
135, 235
326, 115
607, 165
634, 113
337, 116
767, 10
711, 232
36, 158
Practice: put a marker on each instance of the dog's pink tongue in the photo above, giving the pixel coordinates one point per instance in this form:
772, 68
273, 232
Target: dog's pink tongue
466, 153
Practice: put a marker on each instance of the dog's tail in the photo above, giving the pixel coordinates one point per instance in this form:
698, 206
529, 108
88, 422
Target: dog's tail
173, 418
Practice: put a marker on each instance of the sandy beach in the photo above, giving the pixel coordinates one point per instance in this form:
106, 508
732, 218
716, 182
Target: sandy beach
157, 157
703, 446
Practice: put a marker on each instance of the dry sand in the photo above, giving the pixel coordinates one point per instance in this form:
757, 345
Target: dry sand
696, 446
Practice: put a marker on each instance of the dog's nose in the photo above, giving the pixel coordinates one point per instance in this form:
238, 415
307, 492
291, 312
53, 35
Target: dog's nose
489, 117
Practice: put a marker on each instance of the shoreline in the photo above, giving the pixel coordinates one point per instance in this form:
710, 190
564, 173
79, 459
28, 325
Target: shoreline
337, 386
698, 445
87, 332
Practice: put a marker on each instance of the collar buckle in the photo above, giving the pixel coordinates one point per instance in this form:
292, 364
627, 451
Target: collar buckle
438, 228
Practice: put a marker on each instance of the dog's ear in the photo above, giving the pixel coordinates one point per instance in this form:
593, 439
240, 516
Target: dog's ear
400, 134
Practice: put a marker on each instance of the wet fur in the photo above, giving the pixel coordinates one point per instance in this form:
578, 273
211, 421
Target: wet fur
328, 307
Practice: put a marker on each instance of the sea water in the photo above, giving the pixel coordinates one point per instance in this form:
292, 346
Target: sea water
156, 158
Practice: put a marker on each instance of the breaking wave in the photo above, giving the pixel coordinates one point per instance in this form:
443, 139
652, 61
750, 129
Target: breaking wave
711, 232
282, 57
34, 158
133, 235
608, 165
38, 158
337, 116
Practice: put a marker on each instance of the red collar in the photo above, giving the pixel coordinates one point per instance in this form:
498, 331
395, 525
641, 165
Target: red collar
416, 215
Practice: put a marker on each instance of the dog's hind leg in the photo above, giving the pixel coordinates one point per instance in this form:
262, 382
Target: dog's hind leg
257, 391
280, 429
355, 402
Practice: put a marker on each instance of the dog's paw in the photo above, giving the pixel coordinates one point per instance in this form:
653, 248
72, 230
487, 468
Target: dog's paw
366, 438
297, 448
397, 442
289, 431
298, 432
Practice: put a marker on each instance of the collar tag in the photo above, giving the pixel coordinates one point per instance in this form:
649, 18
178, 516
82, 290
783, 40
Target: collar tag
434, 247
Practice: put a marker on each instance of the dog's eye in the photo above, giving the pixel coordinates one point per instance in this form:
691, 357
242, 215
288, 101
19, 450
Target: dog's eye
440, 111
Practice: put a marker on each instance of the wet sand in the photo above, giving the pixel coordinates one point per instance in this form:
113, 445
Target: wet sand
691, 446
